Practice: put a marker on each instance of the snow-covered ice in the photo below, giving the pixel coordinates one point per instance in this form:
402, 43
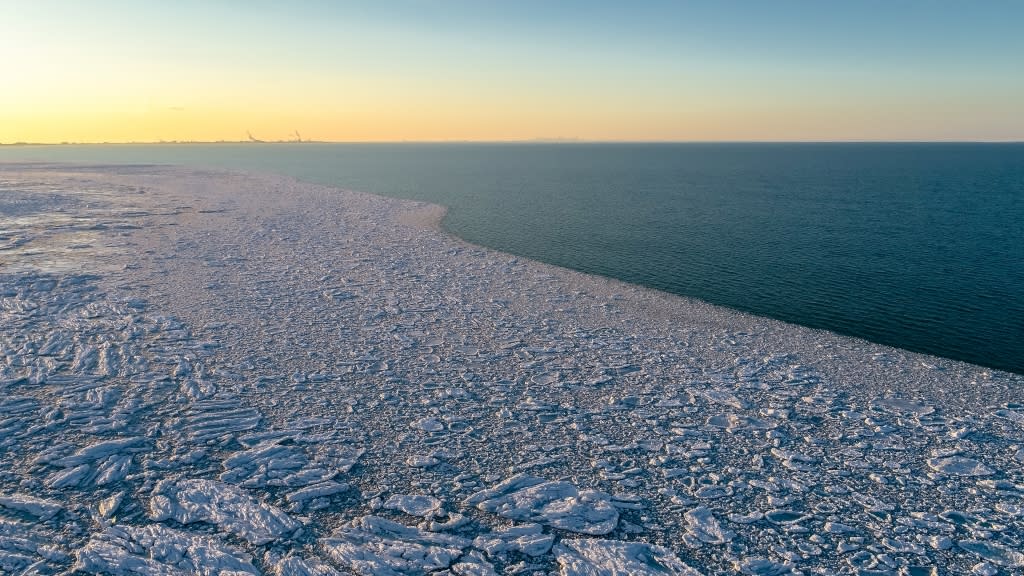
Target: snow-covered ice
228, 507
375, 545
959, 466
557, 504
594, 557
414, 504
39, 507
703, 527
205, 372
159, 550
529, 539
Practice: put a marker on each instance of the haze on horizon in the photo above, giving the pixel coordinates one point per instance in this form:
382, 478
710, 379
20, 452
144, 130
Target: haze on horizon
119, 71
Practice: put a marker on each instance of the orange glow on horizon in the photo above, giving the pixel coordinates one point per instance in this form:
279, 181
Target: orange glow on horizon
107, 71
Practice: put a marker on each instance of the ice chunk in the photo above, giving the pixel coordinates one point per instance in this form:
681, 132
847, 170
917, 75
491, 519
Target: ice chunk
215, 418
995, 553
838, 528
794, 460
197, 390
18, 404
420, 461
218, 503
414, 504
299, 498
298, 566
307, 476
108, 506
372, 545
38, 507
101, 450
68, 477
763, 567
739, 422
597, 557
903, 407
959, 466
14, 562
725, 398
114, 469
428, 425
557, 504
528, 539
1015, 416
705, 528
160, 551
473, 564
267, 463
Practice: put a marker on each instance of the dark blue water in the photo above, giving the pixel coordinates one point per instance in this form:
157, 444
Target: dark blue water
919, 246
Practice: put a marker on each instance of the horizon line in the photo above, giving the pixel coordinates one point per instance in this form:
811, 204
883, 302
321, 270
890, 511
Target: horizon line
508, 141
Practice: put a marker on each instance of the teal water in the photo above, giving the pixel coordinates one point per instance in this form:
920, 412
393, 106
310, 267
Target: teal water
919, 246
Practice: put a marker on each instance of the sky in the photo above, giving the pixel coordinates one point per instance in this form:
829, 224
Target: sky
783, 70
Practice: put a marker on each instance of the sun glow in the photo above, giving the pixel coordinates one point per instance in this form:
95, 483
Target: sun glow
113, 71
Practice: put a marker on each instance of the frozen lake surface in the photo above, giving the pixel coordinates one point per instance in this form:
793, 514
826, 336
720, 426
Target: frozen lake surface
220, 373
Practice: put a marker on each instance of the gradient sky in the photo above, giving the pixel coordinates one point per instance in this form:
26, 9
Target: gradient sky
106, 70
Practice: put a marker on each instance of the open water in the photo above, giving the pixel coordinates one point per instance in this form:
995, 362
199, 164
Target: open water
919, 246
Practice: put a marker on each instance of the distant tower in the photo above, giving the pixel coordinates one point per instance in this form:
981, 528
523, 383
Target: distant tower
298, 137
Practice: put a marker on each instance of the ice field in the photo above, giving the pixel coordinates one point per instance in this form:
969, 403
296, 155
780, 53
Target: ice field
207, 372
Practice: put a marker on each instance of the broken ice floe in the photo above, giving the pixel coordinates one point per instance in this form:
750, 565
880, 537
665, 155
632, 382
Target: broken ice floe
414, 504
528, 539
315, 495
763, 567
557, 504
993, 552
959, 466
902, 406
299, 566
703, 527
594, 557
226, 506
735, 444
215, 419
102, 463
271, 464
41, 508
429, 425
160, 551
372, 545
